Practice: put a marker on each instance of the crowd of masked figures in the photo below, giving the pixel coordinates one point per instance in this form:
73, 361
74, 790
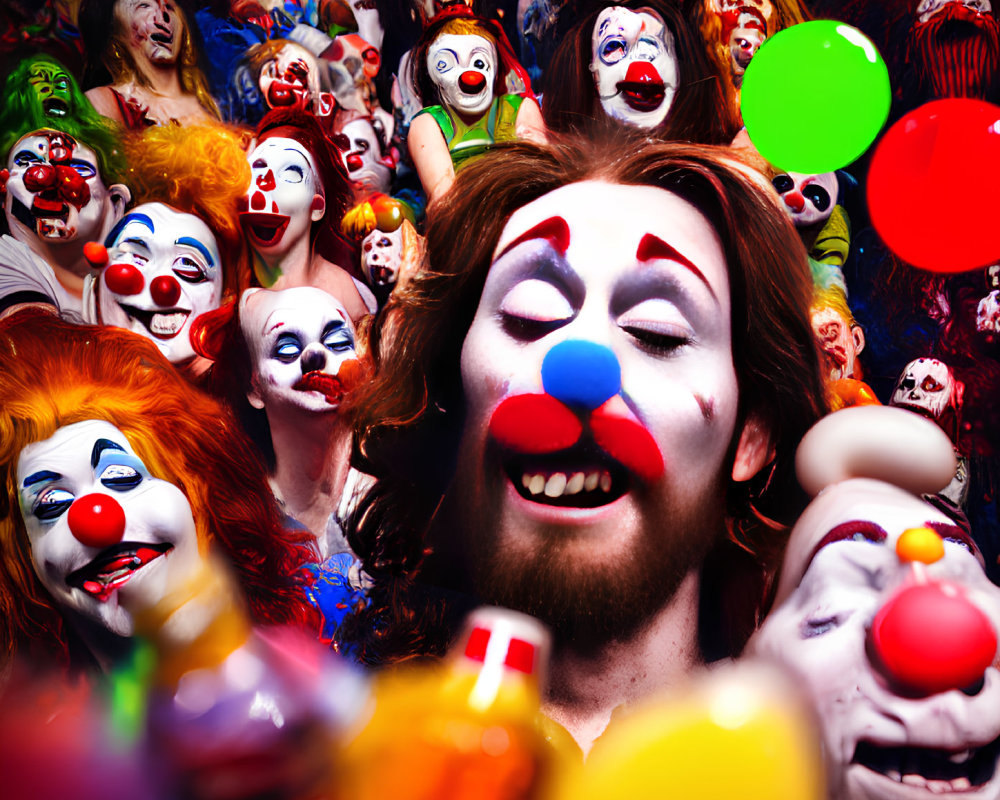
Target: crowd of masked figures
414, 399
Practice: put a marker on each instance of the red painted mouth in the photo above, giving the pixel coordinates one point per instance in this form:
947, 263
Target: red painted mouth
48, 208
114, 567
326, 384
643, 88
281, 94
265, 230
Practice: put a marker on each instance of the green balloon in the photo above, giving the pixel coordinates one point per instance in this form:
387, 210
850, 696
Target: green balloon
815, 96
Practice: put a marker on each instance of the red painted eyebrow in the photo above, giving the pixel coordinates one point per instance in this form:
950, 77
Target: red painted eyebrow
554, 229
651, 247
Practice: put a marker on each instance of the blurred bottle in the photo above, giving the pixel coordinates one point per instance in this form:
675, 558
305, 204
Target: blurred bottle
469, 728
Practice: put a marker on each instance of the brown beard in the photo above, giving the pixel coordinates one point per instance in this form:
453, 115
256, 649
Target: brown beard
957, 52
591, 603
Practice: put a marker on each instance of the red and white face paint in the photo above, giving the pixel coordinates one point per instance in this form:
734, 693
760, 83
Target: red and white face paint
366, 165
164, 271
284, 197
928, 387
634, 61
463, 67
291, 80
53, 190
153, 29
839, 341
381, 256
100, 526
808, 198
302, 344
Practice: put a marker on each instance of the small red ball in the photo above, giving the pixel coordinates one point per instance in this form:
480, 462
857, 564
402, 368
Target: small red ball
123, 279
96, 520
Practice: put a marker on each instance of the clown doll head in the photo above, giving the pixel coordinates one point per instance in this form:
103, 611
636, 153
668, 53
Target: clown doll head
175, 255
56, 200
839, 337
928, 387
297, 193
288, 77
118, 477
885, 616
809, 199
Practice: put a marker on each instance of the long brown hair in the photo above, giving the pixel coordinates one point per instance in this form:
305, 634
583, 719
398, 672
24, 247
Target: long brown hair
56, 374
703, 110
414, 407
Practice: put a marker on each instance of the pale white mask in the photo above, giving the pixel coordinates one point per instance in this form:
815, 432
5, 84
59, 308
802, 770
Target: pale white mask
808, 198
382, 253
463, 67
928, 387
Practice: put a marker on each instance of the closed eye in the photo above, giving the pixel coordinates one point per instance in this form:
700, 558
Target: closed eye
287, 348
654, 341
293, 174
819, 625
120, 477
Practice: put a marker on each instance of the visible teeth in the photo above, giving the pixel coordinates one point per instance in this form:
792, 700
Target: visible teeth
606, 481
591, 481
167, 323
554, 486
537, 484
913, 779
961, 784
575, 483
525, 480
939, 787
894, 774
960, 758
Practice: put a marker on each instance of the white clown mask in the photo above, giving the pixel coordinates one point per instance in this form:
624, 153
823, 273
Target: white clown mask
808, 198
463, 67
928, 387
381, 254
164, 271
634, 61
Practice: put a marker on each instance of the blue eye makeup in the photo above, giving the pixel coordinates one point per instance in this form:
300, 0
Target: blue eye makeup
51, 504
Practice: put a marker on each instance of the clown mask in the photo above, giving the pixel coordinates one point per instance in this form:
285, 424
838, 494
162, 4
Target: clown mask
928, 387
744, 29
381, 254
840, 341
101, 527
153, 29
809, 199
291, 79
302, 345
634, 61
285, 197
51, 86
363, 158
927, 9
463, 68
164, 272
54, 192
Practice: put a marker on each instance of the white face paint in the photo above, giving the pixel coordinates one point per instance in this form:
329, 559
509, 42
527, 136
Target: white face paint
302, 345
164, 272
153, 29
54, 192
284, 197
928, 8
928, 387
881, 742
839, 341
808, 198
381, 254
463, 67
369, 25
291, 79
364, 158
634, 61
157, 549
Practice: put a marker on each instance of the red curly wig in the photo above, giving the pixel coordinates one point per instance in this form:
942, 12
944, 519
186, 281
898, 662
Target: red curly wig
55, 374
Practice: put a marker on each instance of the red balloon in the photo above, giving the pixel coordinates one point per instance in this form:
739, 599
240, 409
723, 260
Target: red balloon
96, 520
930, 638
932, 186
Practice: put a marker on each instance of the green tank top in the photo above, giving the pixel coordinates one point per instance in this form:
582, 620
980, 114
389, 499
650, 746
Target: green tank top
465, 142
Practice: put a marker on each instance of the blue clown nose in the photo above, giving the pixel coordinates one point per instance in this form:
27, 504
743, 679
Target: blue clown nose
581, 373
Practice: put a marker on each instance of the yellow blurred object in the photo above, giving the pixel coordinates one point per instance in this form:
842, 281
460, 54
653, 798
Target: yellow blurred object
740, 734
920, 544
470, 728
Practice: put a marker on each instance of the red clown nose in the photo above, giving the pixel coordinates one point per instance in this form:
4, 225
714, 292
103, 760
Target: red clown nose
471, 82
123, 279
96, 520
930, 638
165, 291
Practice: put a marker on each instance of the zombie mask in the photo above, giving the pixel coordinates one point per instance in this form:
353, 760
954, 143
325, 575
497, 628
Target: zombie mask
366, 165
100, 526
634, 61
153, 29
54, 192
284, 197
164, 272
382, 254
302, 345
809, 199
839, 340
928, 387
291, 79
52, 89
463, 68
353, 64
885, 616
744, 27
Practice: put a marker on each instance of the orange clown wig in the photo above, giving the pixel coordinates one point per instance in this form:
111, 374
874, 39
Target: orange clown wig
56, 374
